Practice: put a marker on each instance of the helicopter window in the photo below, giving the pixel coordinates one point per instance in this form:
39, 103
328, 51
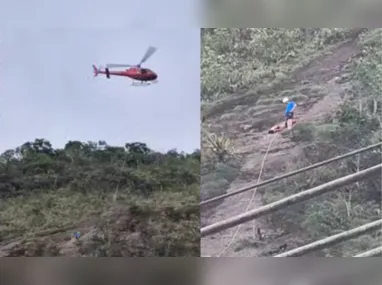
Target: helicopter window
143, 71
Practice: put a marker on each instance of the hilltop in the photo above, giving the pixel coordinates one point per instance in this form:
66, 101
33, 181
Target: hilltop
334, 76
124, 200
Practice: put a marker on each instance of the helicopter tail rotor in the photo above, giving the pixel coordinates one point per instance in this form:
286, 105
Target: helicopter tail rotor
95, 70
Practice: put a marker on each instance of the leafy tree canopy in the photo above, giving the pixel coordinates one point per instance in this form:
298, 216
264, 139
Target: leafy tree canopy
44, 188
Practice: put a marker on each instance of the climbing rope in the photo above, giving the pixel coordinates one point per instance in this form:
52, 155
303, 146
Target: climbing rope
252, 198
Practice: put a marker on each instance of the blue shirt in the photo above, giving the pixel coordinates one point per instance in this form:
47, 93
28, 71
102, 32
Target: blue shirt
290, 106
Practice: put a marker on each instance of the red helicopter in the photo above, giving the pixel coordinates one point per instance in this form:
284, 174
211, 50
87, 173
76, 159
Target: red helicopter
140, 76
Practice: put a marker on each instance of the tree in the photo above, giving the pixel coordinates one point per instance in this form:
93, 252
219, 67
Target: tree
156, 192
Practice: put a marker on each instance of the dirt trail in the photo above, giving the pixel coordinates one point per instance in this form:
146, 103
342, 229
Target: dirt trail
322, 74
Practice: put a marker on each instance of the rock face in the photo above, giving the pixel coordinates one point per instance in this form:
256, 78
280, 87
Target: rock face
318, 88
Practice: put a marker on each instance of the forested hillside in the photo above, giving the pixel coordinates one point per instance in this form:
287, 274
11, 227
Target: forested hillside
238, 60
124, 200
334, 75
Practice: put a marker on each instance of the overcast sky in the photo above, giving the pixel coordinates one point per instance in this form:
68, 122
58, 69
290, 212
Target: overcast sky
100, 13
48, 89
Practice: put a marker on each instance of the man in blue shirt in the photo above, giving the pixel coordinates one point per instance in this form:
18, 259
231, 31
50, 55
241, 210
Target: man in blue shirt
77, 235
290, 106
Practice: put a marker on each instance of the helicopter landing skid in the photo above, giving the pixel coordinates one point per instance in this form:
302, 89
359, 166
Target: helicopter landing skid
143, 83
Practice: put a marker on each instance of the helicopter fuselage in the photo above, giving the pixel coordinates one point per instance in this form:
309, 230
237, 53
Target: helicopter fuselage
141, 74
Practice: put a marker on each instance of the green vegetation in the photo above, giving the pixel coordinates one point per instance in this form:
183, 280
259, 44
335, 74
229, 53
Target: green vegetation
250, 61
125, 201
357, 123
266, 64
219, 165
238, 60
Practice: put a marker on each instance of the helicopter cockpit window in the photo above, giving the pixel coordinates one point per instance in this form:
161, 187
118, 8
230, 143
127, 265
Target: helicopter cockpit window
143, 71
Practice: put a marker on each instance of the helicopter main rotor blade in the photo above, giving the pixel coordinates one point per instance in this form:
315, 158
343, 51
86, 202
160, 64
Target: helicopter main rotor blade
111, 65
150, 51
